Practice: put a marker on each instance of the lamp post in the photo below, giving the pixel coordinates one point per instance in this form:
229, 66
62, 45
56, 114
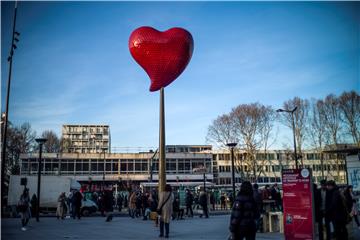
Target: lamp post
293, 126
15, 39
231, 146
40, 141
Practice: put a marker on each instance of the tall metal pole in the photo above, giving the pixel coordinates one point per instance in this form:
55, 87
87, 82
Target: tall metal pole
293, 125
103, 180
162, 158
3, 149
39, 183
233, 172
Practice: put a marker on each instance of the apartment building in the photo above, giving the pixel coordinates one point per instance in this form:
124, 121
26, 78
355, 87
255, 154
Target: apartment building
86, 138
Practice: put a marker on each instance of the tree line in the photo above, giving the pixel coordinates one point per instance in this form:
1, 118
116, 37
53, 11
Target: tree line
21, 139
318, 123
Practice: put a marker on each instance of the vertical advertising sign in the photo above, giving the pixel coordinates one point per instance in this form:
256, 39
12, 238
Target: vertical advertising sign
298, 204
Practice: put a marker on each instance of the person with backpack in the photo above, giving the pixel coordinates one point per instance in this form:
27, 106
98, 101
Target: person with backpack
165, 210
23, 208
244, 214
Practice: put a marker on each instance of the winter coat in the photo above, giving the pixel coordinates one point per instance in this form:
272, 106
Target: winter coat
77, 199
108, 201
61, 206
243, 215
203, 199
25, 213
335, 206
317, 203
258, 199
132, 201
167, 209
189, 199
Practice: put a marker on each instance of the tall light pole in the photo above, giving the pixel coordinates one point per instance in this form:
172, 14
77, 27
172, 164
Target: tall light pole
40, 141
231, 146
15, 39
293, 126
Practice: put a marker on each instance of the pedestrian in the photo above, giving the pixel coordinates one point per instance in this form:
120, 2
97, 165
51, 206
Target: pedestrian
351, 204
165, 209
23, 208
33, 203
223, 202
132, 204
321, 200
145, 206
336, 208
259, 202
61, 206
244, 214
108, 200
212, 200
178, 212
203, 201
189, 199
77, 204
119, 201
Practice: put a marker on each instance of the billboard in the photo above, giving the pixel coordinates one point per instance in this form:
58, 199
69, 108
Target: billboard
298, 204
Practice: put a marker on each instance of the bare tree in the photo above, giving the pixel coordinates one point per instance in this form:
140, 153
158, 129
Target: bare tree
316, 129
20, 140
65, 144
222, 130
52, 144
300, 119
349, 103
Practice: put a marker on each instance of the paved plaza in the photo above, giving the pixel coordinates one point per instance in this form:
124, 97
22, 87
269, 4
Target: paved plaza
215, 227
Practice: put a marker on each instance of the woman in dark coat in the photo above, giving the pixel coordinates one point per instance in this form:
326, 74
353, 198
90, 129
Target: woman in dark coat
244, 214
108, 205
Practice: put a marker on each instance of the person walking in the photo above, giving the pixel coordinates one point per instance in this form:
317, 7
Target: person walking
119, 202
61, 206
33, 203
108, 200
244, 214
223, 202
24, 208
132, 204
212, 200
77, 204
259, 202
165, 210
336, 208
203, 201
189, 200
351, 204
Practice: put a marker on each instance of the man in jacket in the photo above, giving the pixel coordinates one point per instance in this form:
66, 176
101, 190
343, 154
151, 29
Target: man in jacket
189, 202
203, 201
336, 211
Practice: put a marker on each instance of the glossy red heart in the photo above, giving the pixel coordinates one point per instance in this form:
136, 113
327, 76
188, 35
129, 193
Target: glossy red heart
163, 55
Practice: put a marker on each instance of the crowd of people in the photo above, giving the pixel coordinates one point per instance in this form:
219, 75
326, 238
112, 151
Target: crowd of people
334, 207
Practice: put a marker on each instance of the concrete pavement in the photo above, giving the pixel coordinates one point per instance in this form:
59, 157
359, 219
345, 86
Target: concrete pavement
91, 228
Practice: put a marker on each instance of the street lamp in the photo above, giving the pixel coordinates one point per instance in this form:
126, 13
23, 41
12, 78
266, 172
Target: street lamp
293, 126
40, 141
231, 146
4, 128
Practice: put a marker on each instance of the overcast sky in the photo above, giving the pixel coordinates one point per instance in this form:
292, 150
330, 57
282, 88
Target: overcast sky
73, 66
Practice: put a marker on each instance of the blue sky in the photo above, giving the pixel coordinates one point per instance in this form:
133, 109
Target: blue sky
72, 65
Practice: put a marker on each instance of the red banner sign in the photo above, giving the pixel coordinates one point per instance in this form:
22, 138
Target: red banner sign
298, 204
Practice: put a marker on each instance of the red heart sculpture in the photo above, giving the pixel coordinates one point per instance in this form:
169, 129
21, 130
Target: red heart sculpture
163, 55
